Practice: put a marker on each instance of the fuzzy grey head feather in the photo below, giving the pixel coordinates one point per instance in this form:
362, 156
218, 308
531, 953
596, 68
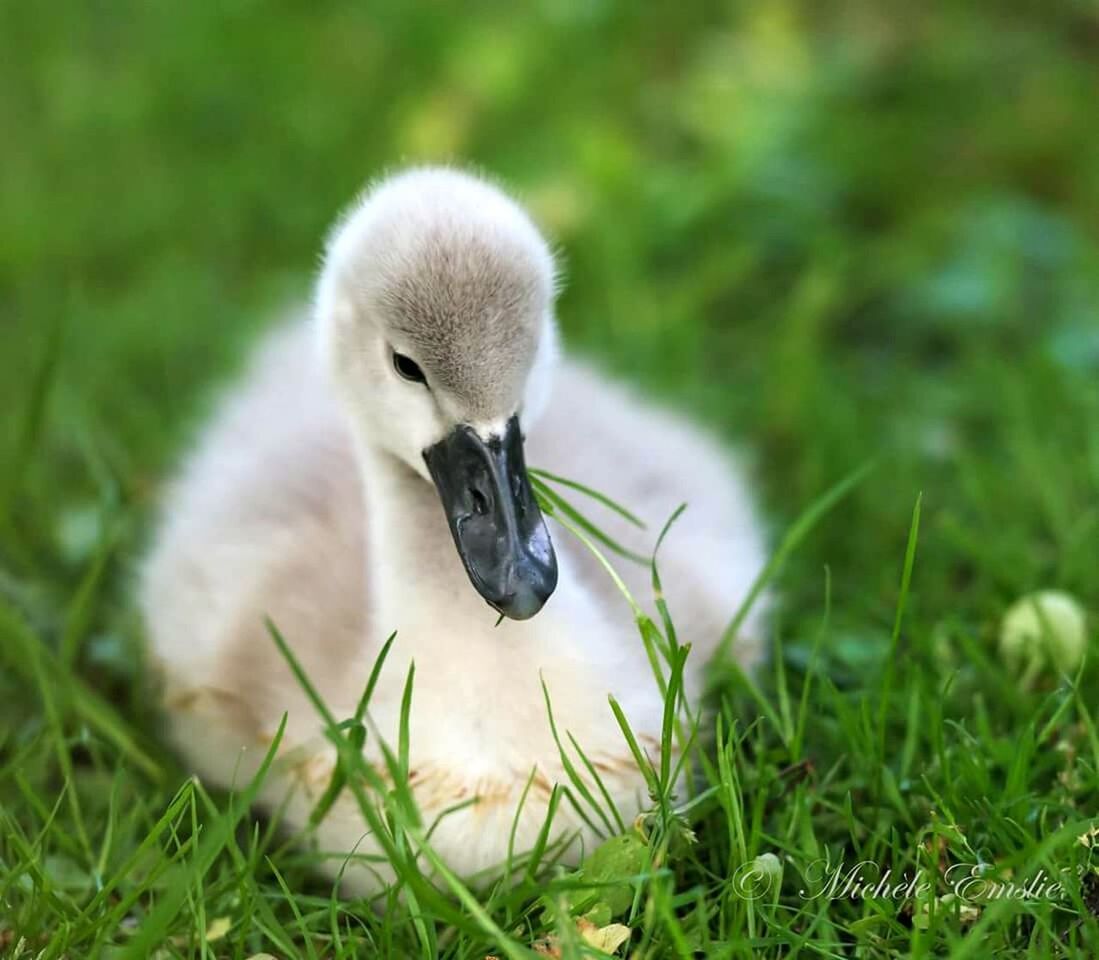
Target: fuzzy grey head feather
456, 276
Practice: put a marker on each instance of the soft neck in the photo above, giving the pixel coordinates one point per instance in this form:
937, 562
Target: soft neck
415, 576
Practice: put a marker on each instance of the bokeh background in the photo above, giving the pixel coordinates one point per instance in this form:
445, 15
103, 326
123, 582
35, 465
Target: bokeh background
863, 232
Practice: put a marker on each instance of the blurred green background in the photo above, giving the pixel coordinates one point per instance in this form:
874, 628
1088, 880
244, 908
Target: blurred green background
866, 230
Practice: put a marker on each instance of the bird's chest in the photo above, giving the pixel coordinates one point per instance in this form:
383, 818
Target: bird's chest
521, 717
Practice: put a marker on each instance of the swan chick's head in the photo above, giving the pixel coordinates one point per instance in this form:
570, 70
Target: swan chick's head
435, 313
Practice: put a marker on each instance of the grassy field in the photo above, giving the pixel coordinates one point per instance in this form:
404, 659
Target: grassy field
866, 236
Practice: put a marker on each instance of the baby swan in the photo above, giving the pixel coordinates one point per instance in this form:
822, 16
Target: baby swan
377, 484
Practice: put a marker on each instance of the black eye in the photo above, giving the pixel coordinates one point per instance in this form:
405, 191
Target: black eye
408, 368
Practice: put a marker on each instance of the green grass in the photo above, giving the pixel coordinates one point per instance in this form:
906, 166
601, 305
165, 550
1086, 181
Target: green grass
866, 235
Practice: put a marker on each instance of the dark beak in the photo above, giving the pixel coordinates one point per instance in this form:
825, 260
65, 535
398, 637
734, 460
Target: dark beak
497, 526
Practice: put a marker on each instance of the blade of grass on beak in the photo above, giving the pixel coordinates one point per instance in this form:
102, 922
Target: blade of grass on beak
594, 494
559, 503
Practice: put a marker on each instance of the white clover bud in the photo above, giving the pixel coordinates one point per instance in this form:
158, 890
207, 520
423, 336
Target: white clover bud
1043, 627
758, 878
768, 865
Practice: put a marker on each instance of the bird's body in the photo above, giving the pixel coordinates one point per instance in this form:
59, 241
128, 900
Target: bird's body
290, 509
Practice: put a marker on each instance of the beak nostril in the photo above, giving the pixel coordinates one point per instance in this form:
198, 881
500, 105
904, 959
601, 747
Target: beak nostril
480, 502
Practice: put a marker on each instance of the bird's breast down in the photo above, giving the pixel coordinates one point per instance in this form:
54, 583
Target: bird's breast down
482, 784
475, 814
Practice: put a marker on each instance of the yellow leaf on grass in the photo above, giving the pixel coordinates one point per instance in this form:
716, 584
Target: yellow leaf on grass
608, 938
218, 928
